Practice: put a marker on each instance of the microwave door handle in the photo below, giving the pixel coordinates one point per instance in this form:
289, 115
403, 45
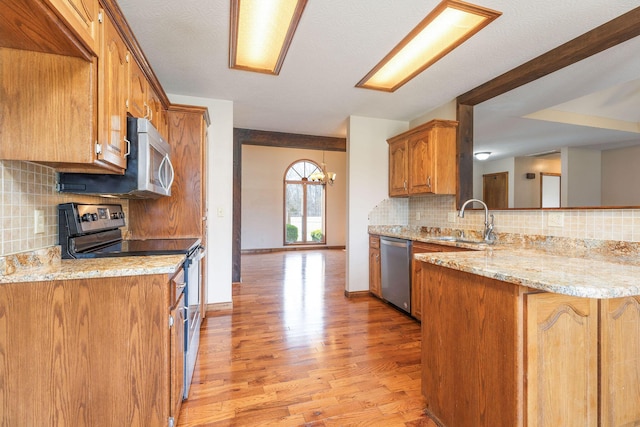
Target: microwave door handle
165, 159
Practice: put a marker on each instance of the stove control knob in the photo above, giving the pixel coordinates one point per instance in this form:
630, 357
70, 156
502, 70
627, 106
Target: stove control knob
114, 215
94, 217
86, 217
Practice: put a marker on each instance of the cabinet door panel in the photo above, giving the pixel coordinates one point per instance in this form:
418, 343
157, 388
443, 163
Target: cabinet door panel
139, 92
561, 360
620, 340
398, 168
420, 164
374, 272
113, 93
82, 17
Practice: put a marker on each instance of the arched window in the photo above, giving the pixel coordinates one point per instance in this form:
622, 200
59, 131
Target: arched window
304, 205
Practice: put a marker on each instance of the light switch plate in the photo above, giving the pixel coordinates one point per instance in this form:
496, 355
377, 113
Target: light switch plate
417, 216
451, 217
38, 221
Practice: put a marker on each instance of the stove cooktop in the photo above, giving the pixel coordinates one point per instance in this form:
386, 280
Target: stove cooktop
144, 247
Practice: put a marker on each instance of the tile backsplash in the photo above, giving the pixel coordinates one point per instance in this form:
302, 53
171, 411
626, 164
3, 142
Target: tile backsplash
440, 211
25, 187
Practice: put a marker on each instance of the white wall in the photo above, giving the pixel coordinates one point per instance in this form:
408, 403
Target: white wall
620, 177
527, 191
446, 111
368, 183
581, 177
263, 171
219, 195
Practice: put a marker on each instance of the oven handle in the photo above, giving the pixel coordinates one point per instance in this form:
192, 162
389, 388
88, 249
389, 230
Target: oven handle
196, 255
201, 252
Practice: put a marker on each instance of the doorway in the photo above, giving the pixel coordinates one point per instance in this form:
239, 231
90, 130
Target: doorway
549, 190
495, 190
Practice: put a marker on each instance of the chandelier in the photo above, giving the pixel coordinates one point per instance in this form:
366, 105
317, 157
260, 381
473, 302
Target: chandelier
322, 175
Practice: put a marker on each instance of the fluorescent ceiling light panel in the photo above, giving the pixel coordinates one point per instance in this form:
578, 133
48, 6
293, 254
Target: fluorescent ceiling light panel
261, 32
446, 27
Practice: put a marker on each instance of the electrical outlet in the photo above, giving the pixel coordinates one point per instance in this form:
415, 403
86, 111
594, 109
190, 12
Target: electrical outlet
220, 212
417, 216
38, 221
451, 217
556, 219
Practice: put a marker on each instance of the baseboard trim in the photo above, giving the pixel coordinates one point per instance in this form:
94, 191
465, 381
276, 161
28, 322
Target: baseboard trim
220, 306
297, 248
357, 294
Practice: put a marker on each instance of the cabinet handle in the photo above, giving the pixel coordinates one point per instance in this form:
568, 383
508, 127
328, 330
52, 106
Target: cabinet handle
128, 147
429, 181
405, 184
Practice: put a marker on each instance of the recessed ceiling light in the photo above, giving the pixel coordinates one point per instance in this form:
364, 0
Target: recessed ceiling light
445, 28
261, 32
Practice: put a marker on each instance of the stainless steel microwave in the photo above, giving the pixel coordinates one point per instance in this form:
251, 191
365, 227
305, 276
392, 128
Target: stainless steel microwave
149, 172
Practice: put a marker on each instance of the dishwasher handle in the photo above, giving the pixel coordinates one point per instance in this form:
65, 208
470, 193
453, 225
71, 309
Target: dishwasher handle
396, 243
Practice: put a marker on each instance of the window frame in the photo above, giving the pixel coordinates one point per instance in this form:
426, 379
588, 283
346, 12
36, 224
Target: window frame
304, 182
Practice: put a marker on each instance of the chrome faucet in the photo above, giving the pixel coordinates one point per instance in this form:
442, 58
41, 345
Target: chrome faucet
488, 226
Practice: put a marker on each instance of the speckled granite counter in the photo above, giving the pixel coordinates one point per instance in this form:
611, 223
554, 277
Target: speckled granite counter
584, 268
583, 277
47, 265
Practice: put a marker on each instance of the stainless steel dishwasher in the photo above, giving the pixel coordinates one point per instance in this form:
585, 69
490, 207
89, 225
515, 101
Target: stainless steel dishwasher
396, 272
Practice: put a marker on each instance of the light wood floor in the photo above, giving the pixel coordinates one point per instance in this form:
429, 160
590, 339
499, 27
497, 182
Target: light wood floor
296, 352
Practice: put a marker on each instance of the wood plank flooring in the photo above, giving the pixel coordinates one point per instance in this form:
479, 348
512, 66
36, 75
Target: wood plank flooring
294, 351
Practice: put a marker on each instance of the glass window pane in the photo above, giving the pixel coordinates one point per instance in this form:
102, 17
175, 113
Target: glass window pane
293, 174
315, 208
293, 213
304, 205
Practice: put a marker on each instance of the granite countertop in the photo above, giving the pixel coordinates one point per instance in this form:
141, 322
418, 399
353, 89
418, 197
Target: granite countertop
583, 268
47, 265
577, 276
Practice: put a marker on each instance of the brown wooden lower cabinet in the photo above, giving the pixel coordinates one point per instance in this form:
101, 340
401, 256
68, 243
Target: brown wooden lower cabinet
561, 360
497, 354
620, 361
375, 285
416, 272
92, 352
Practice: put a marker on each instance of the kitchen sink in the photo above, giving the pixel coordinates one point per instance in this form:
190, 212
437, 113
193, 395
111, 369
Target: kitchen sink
461, 240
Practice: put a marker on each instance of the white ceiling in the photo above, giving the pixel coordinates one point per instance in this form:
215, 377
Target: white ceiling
338, 41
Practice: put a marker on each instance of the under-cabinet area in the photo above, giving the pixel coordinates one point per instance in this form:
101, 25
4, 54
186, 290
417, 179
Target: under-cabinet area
505, 353
94, 350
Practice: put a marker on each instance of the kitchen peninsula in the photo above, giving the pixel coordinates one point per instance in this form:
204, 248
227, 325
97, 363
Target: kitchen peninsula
532, 335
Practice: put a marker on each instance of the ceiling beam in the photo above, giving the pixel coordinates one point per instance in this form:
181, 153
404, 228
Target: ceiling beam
289, 140
616, 31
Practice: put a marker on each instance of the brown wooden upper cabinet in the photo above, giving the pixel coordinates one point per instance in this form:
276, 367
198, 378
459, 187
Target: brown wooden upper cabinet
81, 17
84, 72
422, 160
113, 95
144, 102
